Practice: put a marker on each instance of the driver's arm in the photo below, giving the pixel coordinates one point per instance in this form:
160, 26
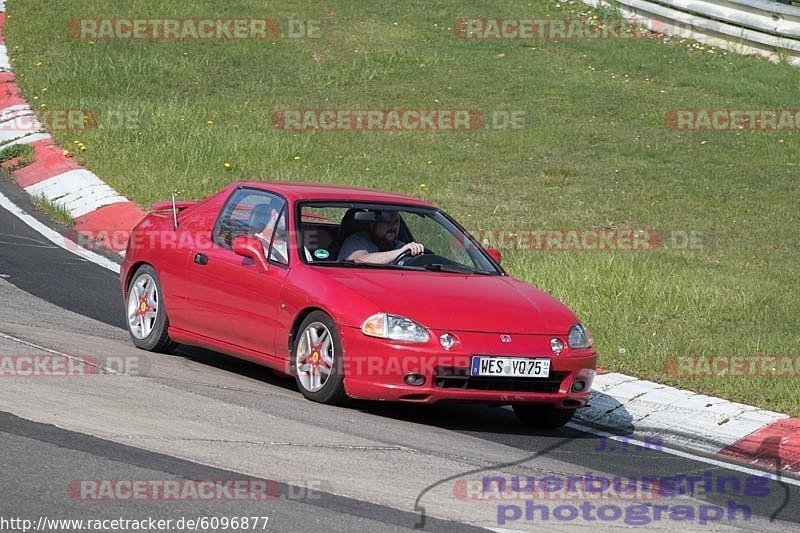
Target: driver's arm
384, 258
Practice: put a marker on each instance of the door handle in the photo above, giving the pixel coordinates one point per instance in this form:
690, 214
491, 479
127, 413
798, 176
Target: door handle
201, 259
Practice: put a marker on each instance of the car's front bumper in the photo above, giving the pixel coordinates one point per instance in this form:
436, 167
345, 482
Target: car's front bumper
375, 369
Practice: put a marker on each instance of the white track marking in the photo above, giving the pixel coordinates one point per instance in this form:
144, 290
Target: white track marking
695, 421
5, 64
55, 352
55, 237
10, 138
78, 191
23, 115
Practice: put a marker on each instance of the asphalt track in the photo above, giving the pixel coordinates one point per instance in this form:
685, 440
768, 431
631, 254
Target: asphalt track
199, 415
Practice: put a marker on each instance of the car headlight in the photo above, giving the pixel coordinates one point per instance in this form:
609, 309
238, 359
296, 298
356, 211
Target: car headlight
579, 337
393, 327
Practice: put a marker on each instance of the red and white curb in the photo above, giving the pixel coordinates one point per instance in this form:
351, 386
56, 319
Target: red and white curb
93, 205
684, 419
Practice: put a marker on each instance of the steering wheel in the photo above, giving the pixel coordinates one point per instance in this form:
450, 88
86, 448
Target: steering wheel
406, 259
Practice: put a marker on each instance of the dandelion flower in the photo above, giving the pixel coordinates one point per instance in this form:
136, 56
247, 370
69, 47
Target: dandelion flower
296, 157
227, 165
209, 122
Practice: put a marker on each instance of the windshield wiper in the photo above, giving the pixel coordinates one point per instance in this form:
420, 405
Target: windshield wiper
456, 269
358, 264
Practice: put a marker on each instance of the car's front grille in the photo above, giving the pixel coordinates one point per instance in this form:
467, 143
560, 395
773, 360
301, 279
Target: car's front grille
459, 378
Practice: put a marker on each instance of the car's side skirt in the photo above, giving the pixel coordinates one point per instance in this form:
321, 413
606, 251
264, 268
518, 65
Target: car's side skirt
182, 336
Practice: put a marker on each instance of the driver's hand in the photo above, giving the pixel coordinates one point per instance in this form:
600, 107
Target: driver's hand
414, 247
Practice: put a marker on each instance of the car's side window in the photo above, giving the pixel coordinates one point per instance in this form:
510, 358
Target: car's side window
279, 251
257, 213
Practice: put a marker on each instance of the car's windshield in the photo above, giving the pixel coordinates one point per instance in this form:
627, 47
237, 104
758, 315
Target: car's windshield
387, 236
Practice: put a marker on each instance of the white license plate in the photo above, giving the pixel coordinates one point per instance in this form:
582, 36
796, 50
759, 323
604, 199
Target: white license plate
519, 367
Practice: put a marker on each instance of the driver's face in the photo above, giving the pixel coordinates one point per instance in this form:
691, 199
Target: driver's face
387, 230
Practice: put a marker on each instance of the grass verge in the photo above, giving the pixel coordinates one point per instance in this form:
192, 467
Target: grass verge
56, 212
22, 152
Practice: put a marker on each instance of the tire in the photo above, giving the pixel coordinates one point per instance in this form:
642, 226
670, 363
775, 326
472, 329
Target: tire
316, 348
542, 416
147, 325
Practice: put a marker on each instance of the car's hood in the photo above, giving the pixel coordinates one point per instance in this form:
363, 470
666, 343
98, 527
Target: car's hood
445, 301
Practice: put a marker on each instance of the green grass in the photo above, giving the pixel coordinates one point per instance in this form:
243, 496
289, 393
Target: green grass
595, 151
56, 212
22, 151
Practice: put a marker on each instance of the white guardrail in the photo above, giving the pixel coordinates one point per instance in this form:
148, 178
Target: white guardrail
758, 27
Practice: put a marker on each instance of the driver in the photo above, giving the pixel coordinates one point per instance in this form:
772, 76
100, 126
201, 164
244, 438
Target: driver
379, 244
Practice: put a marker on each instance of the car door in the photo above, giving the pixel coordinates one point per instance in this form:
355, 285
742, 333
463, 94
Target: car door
233, 299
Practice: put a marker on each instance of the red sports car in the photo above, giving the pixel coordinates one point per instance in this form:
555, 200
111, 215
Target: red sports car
357, 293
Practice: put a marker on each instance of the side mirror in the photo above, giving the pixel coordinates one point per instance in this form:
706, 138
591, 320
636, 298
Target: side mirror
495, 254
252, 248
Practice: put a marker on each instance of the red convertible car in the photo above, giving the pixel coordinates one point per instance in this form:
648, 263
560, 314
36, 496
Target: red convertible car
356, 293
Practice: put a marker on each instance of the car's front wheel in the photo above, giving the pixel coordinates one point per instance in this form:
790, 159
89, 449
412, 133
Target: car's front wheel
147, 316
317, 360
542, 416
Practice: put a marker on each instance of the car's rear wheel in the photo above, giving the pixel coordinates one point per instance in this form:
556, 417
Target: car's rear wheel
147, 316
317, 360
542, 416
